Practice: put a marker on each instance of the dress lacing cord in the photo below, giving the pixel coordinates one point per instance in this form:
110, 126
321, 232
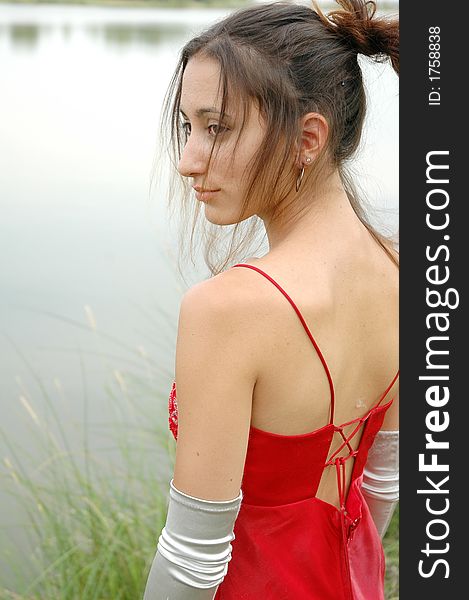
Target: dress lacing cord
349, 525
339, 462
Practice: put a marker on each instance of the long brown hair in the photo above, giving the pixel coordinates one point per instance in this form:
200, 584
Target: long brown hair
289, 59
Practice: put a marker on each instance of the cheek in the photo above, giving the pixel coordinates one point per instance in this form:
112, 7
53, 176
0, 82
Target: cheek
238, 165
234, 162
221, 161
250, 151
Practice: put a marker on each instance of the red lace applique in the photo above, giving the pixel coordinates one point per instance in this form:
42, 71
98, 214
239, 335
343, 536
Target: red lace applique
173, 411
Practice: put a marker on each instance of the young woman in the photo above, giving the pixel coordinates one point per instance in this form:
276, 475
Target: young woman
286, 415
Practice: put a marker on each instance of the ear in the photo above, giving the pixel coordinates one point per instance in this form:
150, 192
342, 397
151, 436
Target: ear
314, 130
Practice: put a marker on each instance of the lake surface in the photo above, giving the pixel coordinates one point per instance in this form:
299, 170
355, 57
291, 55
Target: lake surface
88, 285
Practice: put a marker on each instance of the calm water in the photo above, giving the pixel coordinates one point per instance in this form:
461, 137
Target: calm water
80, 93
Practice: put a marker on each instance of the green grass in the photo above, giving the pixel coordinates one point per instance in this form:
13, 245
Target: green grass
391, 550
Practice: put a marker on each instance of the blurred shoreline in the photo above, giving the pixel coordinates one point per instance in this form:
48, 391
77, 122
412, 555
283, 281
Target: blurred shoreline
382, 4
136, 3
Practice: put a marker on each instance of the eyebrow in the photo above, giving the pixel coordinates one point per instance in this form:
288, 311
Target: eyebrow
200, 112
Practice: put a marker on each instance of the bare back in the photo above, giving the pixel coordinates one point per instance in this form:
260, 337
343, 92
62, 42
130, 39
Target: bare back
350, 305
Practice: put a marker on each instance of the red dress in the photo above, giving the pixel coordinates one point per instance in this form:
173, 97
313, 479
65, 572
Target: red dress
290, 545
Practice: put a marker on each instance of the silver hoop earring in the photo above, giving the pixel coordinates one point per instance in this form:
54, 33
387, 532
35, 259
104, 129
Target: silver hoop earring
300, 178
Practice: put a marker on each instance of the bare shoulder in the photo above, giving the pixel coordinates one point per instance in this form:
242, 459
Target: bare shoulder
225, 313
235, 294
230, 298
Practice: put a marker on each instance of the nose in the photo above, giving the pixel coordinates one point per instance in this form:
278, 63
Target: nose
194, 157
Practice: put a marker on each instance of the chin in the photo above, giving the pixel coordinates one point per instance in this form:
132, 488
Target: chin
221, 222
216, 216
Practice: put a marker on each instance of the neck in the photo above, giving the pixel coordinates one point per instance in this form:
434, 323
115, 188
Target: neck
326, 213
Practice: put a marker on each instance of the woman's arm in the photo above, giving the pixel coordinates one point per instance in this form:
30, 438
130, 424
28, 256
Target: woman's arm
215, 374
216, 371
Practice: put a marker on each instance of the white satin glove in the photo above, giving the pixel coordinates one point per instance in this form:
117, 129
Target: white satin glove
381, 478
193, 549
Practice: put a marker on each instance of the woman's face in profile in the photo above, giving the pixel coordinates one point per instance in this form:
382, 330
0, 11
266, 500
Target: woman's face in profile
226, 182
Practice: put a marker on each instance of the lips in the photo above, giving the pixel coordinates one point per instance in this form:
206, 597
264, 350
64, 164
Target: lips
204, 194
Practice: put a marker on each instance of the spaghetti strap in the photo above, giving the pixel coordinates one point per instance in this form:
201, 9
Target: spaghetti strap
310, 335
386, 391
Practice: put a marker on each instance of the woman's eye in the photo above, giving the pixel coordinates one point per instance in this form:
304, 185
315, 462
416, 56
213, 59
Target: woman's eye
213, 129
216, 128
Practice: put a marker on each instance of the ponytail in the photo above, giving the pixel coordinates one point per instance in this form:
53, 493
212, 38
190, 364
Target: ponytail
356, 25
